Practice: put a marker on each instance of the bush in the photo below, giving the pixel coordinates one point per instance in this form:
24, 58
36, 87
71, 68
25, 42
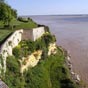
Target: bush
13, 65
22, 19
17, 52
67, 83
48, 38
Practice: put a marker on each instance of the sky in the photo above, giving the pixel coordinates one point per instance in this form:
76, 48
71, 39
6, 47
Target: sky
49, 7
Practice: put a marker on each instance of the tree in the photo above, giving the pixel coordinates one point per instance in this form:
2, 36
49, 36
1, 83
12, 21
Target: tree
14, 13
7, 13
1, 1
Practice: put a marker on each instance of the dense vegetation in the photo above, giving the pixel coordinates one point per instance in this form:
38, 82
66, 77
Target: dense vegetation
7, 13
49, 73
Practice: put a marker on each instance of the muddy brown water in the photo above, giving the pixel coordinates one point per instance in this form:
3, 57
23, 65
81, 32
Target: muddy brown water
71, 33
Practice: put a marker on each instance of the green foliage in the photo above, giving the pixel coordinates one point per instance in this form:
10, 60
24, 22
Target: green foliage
7, 13
48, 38
13, 77
49, 73
2, 1
4, 34
14, 13
23, 19
12, 65
17, 52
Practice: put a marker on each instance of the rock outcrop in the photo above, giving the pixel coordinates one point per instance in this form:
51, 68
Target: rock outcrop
52, 49
30, 61
33, 59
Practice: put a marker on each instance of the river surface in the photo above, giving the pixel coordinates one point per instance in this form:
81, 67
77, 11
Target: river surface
71, 33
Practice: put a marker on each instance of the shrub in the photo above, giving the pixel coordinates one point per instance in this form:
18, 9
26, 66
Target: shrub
46, 29
48, 38
67, 83
22, 19
12, 64
17, 52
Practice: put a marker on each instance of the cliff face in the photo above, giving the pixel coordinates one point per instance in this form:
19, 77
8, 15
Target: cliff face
30, 61
52, 49
33, 59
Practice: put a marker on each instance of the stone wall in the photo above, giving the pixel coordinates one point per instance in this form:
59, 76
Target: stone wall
7, 46
33, 34
27, 34
38, 32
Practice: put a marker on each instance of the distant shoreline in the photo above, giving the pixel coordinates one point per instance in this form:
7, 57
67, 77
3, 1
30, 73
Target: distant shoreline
56, 15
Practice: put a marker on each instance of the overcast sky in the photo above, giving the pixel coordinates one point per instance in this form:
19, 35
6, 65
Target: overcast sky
49, 7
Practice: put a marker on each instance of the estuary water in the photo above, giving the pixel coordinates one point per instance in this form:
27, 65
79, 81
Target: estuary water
72, 34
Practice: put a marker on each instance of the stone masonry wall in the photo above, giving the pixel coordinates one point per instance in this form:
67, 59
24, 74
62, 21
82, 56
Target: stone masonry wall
8, 45
38, 32
33, 34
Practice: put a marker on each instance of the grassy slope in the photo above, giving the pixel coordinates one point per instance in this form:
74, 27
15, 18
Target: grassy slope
4, 32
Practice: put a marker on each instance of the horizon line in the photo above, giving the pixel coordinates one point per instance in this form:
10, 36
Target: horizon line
56, 15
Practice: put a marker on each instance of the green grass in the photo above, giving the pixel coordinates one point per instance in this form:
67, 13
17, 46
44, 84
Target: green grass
4, 34
24, 25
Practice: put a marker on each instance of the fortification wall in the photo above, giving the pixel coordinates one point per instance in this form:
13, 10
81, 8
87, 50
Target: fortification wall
33, 34
38, 32
27, 34
8, 45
